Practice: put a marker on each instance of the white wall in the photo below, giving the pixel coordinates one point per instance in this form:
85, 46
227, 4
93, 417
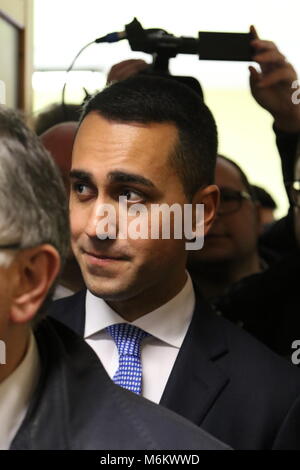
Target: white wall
62, 27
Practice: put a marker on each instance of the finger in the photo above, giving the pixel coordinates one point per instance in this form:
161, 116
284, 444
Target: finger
255, 76
278, 76
253, 32
272, 57
264, 45
254, 73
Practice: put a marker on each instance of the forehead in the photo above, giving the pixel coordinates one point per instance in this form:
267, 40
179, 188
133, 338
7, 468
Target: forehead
102, 144
227, 175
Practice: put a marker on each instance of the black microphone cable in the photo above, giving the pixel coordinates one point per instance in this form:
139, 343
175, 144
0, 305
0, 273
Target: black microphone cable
64, 108
109, 38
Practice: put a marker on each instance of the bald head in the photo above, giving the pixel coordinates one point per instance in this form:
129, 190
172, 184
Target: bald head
58, 140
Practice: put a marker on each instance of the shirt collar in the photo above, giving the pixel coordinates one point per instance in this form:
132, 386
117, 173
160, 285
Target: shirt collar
15, 394
169, 323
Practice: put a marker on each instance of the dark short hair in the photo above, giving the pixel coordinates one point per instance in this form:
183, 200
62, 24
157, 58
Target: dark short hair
144, 99
263, 197
242, 174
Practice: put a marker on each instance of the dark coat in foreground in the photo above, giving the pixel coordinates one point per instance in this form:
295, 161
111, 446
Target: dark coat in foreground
77, 406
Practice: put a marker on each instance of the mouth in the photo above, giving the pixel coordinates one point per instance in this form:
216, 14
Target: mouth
100, 259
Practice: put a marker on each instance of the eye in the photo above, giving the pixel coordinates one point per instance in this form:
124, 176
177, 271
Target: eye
132, 196
82, 189
79, 187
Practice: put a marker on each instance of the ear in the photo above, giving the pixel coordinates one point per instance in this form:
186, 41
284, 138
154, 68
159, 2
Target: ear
210, 197
37, 269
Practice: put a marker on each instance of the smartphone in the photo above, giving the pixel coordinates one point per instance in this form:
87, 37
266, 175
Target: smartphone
225, 46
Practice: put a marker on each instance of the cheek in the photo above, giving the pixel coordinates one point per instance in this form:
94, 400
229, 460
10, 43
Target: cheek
246, 236
75, 223
245, 224
4, 309
77, 219
158, 252
5, 294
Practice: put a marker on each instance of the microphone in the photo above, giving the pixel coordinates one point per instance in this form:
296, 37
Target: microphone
112, 37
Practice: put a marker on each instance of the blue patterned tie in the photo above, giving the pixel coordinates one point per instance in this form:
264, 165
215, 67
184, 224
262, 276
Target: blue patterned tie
128, 339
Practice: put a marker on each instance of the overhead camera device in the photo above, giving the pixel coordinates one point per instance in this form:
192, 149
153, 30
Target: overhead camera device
163, 46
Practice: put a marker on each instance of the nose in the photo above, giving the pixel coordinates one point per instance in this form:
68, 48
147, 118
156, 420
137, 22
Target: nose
90, 228
101, 222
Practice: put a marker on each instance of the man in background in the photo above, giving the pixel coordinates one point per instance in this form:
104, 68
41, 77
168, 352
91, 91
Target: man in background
231, 250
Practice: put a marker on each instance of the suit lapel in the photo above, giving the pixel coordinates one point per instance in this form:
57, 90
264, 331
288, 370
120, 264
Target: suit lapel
196, 379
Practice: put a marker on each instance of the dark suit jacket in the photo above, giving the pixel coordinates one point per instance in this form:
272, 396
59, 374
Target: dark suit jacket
279, 236
271, 315
224, 381
77, 406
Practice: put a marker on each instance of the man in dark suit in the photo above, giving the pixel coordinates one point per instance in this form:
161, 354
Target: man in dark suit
272, 314
154, 142
54, 393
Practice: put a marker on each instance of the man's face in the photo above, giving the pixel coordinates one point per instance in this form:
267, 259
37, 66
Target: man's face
110, 160
233, 236
296, 209
6, 285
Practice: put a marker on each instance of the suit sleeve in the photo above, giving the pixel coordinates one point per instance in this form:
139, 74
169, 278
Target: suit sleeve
287, 144
280, 237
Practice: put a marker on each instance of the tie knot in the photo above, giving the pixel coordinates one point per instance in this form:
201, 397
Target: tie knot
128, 338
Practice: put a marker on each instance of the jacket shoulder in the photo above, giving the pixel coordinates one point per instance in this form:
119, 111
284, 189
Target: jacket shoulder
70, 311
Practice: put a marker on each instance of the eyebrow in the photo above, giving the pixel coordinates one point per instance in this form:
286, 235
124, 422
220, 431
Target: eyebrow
81, 175
114, 177
124, 177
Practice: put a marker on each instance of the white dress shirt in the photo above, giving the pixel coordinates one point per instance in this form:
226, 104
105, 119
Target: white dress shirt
15, 394
167, 326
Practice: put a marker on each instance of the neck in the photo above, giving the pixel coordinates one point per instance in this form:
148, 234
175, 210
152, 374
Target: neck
16, 345
214, 279
148, 300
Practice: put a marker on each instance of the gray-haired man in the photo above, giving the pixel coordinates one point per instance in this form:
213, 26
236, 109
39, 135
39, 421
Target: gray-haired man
54, 393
